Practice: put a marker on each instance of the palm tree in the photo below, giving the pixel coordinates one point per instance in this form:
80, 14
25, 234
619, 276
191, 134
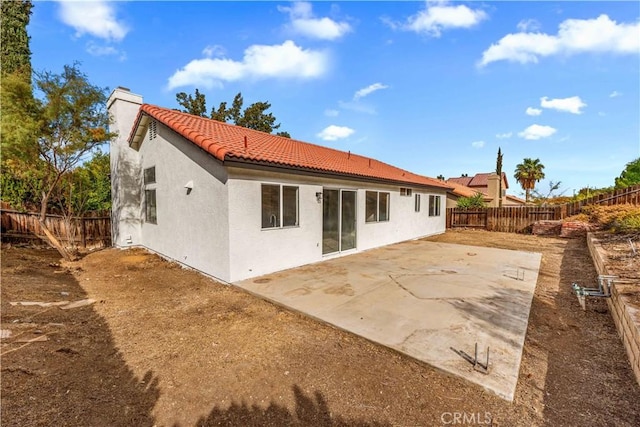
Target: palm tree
528, 173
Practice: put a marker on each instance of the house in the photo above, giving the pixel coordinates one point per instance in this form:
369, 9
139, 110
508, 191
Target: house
236, 203
488, 184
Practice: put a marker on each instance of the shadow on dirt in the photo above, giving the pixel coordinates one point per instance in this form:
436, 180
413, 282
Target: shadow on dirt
77, 376
309, 411
589, 380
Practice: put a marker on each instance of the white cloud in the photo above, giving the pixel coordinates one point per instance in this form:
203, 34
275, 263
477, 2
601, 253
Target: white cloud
528, 25
369, 90
598, 35
259, 62
97, 18
215, 50
303, 22
535, 132
572, 105
97, 50
359, 107
533, 111
477, 144
333, 133
439, 16
505, 135
331, 113
615, 94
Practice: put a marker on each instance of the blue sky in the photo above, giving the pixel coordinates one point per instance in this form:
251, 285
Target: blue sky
432, 87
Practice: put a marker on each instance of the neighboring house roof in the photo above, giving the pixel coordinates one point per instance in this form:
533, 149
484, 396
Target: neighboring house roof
462, 180
478, 180
515, 199
230, 143
464, 191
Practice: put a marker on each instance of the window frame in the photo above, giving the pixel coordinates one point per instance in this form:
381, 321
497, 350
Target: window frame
406, 192
416, 202
146, 175
282, 205
435, 205
378, 206
148, 207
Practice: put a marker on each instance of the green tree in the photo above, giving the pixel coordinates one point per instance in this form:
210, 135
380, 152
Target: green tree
90, 186
196, 104
20, 175
255, 116
527, 174
15, 54
63, 127
630, 175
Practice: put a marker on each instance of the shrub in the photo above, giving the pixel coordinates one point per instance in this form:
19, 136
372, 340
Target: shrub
623, 218
475, 201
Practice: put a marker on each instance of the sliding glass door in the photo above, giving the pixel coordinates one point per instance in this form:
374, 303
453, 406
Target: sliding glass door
338, 220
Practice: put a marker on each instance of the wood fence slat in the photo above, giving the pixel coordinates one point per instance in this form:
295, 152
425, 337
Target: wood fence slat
80, 231
517, 219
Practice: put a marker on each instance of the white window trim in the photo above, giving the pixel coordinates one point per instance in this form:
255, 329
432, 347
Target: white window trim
439, 205
388, 207
281, 207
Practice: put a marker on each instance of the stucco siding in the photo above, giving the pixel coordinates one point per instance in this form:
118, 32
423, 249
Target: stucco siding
404, 222
255, 251
192, 227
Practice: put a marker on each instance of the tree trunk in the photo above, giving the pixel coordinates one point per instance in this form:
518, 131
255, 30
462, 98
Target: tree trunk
55, 242
527, 192
43, 223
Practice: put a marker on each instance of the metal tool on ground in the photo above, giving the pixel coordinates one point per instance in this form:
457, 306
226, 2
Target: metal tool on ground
602, 291
477, 365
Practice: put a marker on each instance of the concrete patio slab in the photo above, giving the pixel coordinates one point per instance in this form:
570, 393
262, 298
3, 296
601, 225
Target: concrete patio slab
424, 299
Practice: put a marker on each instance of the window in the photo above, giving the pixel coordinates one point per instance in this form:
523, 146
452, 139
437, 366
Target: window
150, 210
150, 175
376, 206
417, 203
406, 192
274, 212
434, 205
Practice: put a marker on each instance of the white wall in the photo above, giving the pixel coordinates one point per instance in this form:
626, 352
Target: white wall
191, 228
125, 169
404, 223
254, 251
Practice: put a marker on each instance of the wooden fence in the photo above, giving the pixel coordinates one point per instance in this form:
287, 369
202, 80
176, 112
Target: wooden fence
518, 219
512, 219
84, 232
617, 197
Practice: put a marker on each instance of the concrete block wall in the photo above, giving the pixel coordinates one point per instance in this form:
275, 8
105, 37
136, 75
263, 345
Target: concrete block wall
625, 316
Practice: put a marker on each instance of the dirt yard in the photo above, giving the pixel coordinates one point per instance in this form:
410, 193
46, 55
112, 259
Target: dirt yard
168, 347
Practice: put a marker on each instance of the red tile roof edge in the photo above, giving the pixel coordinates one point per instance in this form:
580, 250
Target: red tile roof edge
219, 151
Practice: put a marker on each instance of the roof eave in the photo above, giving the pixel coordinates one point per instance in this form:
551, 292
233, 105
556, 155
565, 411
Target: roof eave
241, 162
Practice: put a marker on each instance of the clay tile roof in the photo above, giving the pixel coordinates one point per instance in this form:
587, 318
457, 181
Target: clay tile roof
464, 191
462, 180
478, 180
227, 142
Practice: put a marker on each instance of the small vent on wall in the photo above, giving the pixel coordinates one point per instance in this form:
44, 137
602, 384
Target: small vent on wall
153, 130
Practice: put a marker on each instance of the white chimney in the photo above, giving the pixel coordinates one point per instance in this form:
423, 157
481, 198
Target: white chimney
126, 202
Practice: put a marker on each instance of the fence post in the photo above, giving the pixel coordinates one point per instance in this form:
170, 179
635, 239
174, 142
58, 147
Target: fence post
83, 233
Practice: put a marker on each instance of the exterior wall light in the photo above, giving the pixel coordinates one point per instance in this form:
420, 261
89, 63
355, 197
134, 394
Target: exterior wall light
189, 187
